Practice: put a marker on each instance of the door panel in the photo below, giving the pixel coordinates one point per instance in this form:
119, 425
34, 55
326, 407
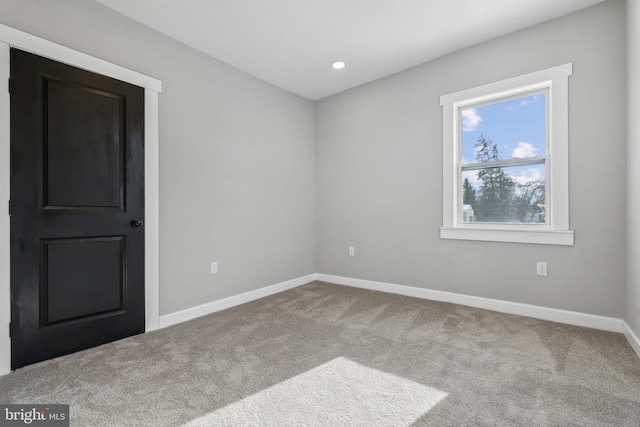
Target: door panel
77, 183
75, 114
82, 278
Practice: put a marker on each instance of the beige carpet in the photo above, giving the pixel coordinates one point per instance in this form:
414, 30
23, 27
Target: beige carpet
324, 354
356, 394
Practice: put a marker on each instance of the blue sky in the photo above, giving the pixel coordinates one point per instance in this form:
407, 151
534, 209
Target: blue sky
517, 126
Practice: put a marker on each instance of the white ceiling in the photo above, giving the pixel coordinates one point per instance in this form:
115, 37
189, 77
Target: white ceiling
290, 43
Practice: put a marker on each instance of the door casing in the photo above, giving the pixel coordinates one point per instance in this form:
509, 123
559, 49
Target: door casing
10, 37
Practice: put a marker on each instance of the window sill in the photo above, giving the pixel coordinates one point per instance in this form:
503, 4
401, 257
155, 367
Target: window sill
541, 237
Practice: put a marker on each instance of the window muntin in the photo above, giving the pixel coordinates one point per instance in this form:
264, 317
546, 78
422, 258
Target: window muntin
502, 159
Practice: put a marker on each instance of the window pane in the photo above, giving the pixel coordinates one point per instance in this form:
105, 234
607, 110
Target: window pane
504, 130
511, 195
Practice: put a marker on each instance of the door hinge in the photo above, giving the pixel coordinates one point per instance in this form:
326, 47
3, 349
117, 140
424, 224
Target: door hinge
10, 330
9, 84
10, 210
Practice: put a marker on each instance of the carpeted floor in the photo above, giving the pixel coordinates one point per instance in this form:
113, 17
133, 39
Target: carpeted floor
324, 354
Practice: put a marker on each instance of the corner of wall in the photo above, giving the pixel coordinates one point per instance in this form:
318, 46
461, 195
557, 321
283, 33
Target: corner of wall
632, 288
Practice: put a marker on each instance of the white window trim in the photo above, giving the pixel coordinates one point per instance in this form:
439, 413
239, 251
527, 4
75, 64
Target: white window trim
557, 231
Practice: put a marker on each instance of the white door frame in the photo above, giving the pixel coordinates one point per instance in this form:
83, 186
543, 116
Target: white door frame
10, 37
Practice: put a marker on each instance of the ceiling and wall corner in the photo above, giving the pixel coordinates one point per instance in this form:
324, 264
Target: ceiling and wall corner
236, 155
291, 43
379, 173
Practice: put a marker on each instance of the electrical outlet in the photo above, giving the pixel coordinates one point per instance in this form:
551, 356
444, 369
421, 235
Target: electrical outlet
541, 269
352, 251
214, 267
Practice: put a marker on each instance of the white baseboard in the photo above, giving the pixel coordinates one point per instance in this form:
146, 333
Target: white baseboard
561, 316
555, 315
212, 307
633, 339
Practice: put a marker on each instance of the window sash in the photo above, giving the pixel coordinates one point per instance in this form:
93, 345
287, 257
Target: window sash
484, 223
542, 88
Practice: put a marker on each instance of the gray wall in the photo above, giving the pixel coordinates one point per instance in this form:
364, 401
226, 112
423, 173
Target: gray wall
236, 155
237, 167
633, 160
379, 173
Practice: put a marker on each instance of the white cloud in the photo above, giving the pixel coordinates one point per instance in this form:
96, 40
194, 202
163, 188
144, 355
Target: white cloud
470, 120
529, 175
529, 100
472, 176
523, 150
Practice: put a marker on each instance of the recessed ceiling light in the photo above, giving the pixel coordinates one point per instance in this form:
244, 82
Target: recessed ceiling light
338, 65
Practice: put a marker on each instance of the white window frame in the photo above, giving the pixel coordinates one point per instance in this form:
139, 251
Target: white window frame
556, 230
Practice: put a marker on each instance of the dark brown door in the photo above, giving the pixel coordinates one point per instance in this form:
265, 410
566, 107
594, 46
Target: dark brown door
77, 209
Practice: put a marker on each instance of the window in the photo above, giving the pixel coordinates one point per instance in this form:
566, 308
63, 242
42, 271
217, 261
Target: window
505, 153
502, 160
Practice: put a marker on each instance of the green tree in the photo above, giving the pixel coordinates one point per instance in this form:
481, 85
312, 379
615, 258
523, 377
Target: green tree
493, 203
528, 200
468, 193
